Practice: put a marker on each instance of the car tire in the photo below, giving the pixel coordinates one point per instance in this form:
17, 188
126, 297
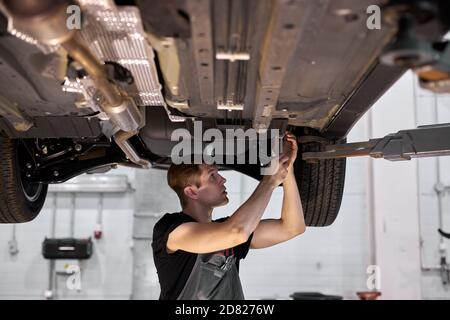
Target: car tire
20, 200
321, 186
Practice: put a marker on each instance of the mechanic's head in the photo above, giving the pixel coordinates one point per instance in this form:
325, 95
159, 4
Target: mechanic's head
200, 183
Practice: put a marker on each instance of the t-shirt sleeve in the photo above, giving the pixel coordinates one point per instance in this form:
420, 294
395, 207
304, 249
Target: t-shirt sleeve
162, 231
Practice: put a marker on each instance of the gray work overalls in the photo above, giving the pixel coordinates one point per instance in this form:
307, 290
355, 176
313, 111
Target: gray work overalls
213, 277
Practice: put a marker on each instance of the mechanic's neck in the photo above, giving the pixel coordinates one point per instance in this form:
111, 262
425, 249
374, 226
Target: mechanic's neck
198, 211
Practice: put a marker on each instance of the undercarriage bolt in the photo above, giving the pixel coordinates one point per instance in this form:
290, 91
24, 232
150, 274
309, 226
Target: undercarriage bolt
78, 147
56, 173
28, 165
28, 175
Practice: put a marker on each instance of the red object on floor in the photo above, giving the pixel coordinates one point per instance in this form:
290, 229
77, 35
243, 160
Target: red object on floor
368, 295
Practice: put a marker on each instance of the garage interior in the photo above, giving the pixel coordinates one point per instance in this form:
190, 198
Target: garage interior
384, 240
105, 97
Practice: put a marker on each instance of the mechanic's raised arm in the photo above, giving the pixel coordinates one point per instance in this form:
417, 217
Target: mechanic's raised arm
292, 223
213, 236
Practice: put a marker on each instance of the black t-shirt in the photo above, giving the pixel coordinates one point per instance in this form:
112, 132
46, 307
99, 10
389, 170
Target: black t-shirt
174, 269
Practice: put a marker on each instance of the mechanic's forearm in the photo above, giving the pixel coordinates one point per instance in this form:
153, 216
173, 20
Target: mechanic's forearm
292, 211
247, 217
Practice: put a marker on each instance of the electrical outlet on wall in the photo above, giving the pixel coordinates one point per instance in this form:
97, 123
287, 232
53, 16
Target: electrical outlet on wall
13, 247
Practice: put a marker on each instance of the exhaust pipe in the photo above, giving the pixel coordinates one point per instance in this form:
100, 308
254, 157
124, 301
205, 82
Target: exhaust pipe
121, 139
45, 21
122, 110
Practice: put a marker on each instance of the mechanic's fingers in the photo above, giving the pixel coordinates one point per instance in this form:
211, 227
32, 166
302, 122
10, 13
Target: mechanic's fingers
283, 159
293, 144
289, 135
292, 139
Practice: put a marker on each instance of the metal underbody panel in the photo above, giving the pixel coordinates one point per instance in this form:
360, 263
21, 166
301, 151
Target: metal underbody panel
22, 82
334, 53
116, 34
298, 60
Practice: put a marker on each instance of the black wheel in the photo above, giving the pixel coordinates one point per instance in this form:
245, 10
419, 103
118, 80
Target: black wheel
20, 200
321, 186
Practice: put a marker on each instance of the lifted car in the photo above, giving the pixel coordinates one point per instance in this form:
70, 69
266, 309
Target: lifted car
90, 85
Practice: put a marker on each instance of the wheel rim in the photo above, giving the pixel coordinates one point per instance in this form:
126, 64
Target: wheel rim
30, 190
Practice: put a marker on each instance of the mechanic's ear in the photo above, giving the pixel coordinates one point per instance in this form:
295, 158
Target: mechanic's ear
191, 192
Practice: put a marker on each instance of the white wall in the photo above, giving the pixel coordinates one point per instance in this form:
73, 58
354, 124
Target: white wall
405, 203
106, 275
153, 199
395, 199
430, 108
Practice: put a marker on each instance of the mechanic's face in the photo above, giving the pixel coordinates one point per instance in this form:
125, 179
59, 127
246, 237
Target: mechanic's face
212, 191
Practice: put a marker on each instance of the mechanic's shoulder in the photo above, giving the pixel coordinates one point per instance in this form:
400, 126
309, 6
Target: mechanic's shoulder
169, 219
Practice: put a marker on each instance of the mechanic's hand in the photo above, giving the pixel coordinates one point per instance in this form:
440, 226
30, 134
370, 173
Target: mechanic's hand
278, 170
290, 148
281, 166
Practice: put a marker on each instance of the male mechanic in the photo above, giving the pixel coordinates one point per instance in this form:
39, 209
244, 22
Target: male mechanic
197, 258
